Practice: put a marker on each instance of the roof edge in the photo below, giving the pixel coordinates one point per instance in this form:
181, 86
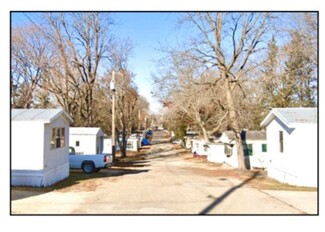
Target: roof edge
65, 115
274, 113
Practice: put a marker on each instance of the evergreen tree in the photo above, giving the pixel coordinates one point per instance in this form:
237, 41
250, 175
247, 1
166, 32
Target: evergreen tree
300, 71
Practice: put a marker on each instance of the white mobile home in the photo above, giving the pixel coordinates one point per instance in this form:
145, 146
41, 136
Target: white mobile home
292, 145
254, 145
190, 135
216, 152
199, 147
86, 140
133, 144
39, 146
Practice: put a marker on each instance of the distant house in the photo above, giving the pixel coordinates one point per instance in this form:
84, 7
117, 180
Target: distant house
39, 146
133, 144
190, 135
108, 144
86, 140
292, 145
254, 148
199, 147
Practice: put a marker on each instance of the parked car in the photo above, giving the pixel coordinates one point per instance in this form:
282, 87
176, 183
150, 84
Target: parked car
89, 163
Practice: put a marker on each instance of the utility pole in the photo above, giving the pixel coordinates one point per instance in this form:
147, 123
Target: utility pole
139, 119
112, 87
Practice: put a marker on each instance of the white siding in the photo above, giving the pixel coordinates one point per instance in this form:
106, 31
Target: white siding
107, 146
187, 142
132, 144
232, 160
297, 164
56, 161
199, 148
216, 153
27, 145
259, 159
87, 143
33, 161
91, 140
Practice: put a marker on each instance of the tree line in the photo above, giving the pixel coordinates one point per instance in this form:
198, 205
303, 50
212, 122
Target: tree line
66, 60
232, 68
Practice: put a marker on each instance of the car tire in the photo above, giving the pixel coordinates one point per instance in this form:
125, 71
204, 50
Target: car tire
88, 167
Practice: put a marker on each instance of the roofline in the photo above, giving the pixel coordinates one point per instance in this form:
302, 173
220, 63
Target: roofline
65, 115
274, 113
61, 112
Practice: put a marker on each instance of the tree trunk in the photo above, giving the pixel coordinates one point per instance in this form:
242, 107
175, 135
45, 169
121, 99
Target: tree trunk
234, 125
124, 142
205, 134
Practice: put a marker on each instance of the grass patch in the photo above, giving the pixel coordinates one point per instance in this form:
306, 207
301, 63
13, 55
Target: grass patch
75, 178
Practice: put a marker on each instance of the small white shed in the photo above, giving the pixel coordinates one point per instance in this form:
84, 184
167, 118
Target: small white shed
86, 140
292, 145
39, 146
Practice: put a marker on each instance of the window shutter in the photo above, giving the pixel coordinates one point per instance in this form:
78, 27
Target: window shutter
250, 149
264, 148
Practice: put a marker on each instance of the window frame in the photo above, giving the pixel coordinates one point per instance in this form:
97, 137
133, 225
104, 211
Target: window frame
281, 142
264, 147
57, 139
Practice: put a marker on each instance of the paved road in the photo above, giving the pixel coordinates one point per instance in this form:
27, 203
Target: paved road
164, 181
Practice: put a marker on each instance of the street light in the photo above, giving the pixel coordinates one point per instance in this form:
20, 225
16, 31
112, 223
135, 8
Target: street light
112, 87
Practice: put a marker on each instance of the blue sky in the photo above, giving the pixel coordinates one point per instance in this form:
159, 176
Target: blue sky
146, 31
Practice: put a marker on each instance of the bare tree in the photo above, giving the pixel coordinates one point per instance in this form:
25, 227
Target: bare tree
80, 42
127, 105
226, 43
127, 97
192, 98
28, 64
142, 109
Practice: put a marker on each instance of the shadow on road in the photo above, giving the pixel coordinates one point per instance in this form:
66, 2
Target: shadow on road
226, 194
131, 164
159, 141
18, 193
122, 171
165, 156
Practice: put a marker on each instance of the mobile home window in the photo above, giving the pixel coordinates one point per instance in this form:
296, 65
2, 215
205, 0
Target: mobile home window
228, 150
77, 143
62, 137
57, 138
264, 147
248, 150
281, 141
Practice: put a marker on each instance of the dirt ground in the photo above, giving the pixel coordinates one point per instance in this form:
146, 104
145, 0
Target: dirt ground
165, 178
